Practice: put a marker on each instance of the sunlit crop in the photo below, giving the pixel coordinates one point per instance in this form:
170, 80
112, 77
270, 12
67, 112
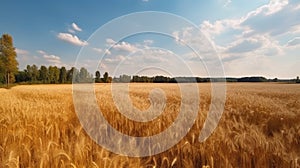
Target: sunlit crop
260, 127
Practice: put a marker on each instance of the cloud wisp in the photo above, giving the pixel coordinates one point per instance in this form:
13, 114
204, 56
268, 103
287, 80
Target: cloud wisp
76, 27
72, 39
50, 58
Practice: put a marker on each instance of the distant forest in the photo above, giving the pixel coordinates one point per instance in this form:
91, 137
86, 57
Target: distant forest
55, 75
9, 73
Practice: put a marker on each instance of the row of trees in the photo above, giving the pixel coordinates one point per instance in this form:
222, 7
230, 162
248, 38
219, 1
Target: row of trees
163, 79
52, 75
56, 75
159, 79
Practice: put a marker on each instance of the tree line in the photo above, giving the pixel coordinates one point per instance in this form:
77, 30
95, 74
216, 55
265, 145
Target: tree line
58, 75
55, 75
52, 75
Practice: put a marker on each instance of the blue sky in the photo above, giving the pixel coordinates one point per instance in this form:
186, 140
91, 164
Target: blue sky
256, 37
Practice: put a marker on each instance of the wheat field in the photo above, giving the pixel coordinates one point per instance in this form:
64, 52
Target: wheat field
260, 127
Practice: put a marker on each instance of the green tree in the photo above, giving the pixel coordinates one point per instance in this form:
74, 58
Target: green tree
28, 72
35, 73
56, 74
53, 73
73, 74
98, 77
63, 75
2, 69
8, 63
105, 77
43, 74
83, 75
21, 76
32, 73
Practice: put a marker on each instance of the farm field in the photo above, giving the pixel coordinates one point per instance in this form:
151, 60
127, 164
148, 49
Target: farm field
260, 127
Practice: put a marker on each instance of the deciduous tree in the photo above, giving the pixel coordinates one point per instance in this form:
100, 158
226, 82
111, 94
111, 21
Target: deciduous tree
63, 75
8, 61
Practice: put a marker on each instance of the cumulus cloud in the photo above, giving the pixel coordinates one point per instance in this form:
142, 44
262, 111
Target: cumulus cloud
110, 42
256, 45
117, 59
121, 46
124, 46
107, 52
196, 39
25, 58
155, 55
257, 32
219, 26
73, 39
50, 58
276, 18
272, 7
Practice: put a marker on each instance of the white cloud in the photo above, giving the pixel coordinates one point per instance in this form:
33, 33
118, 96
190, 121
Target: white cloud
227, 3
71, 31
148, 42
120, 46
50, 58
76, 27
256, 32
271, 8
107, 52
98, 50
117, 59
293, 42
276, 18
276, 5
145, 0
110, 42
256, 45
25, 58
196, 39
21, 52
211, 30
41, 52
153, 56
73, 39
124, 46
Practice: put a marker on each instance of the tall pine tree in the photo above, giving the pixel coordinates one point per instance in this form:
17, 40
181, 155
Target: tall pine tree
8, 61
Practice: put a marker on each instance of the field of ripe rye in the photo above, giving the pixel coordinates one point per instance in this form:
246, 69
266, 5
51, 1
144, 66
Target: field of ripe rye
260, 127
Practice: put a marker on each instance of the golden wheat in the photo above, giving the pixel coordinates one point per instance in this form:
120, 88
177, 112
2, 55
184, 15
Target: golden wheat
260, 127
